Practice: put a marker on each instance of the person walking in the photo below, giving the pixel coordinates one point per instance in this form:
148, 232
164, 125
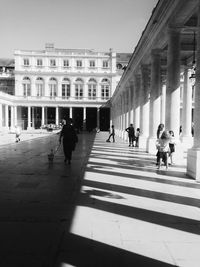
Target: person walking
70, 139
112, 134
131, 134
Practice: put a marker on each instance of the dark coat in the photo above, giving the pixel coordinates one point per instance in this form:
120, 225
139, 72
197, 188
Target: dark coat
70, 137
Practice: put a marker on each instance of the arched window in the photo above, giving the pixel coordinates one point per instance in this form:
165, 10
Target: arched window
39, 87
26, 84
79, 88
52, 87
66, 88
105, 89
92, 89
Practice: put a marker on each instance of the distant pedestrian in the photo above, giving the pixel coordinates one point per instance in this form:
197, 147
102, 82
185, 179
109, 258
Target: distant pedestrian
180, 130
171, 147
192, 129
131, 134
70, 139
17, 133
159, 132
137, 136
163, 148
112, 134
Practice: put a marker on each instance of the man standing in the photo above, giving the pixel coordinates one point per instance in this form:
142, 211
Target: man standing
131, 134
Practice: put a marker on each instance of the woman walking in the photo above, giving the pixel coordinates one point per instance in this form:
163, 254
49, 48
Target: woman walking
70, 139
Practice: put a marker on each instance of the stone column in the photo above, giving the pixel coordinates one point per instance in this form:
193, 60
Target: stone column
154, 100
84, 118
12, 118
57, 115
137, 102
193, 156
163, 102
43, 119
144, 110
29, 117
187, 140
98, 119
1, 114
71, 112
45, 115
15, 115
121, 115
172, 115
127, 107
6, 116
33, 117
131, 102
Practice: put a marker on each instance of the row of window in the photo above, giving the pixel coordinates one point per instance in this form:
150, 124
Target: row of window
66, 88
67, 80
65, 63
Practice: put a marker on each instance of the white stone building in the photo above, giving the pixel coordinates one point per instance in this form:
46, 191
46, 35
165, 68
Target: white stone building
53, 84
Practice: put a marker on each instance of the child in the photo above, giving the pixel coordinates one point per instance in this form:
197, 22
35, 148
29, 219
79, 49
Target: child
171, 146
163, 148
137, 134
17, 133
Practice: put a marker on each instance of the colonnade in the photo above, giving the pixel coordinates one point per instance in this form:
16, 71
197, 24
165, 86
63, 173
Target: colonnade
149, 94
11, 115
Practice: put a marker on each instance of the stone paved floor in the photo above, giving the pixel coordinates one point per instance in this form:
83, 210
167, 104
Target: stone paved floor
111, 207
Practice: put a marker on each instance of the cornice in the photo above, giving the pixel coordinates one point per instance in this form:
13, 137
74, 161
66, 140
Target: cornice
73, 74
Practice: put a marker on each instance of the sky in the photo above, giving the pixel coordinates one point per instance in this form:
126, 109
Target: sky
89, 24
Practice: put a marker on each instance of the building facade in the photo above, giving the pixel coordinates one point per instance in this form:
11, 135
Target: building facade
53, 84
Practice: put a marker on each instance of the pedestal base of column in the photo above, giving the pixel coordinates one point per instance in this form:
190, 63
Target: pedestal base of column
187, 141
143, 142
180, 154
193, 166
30, 128
12, 129
120, 133
151, 146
